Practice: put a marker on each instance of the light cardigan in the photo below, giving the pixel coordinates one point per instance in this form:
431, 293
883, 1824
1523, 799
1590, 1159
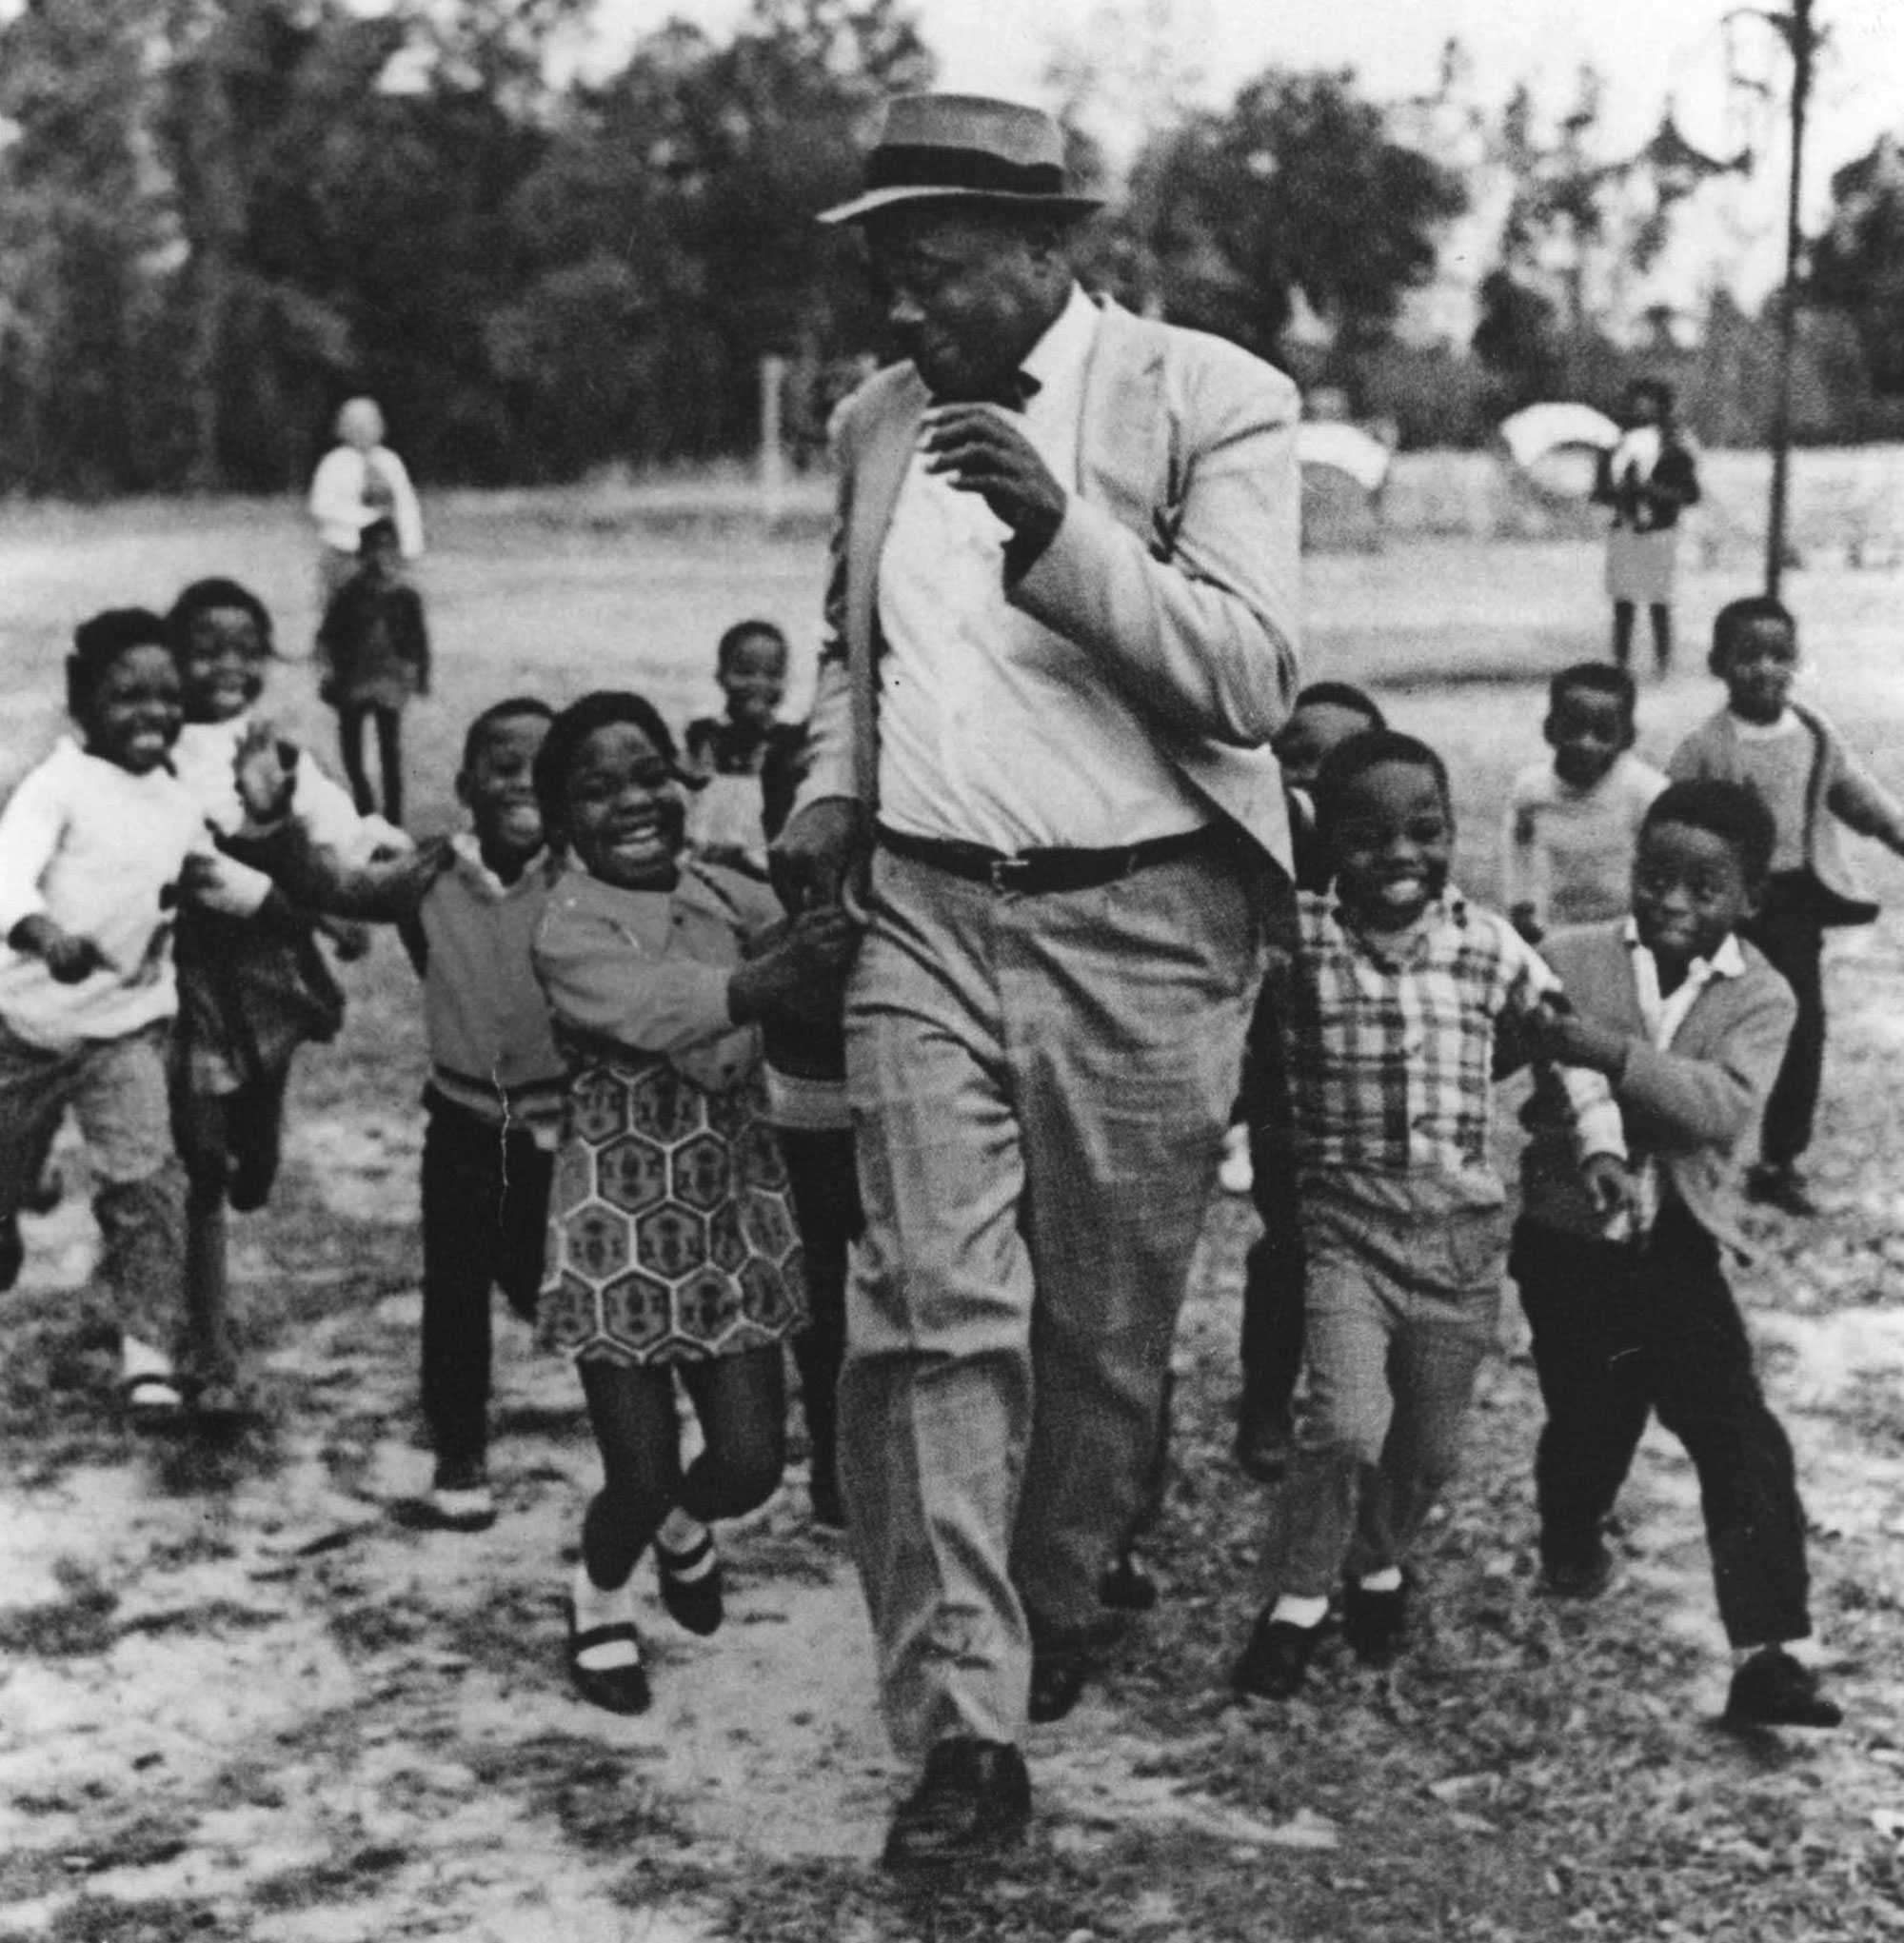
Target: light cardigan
1842, 790
1692, 1108
337, 499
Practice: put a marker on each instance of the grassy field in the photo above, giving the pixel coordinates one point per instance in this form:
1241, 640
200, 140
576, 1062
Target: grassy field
240, 1698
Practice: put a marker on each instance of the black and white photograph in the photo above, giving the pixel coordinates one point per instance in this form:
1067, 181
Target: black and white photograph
949, 968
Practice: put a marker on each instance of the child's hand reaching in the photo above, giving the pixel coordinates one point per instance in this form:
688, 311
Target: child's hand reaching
1558, 1034
1610, 1188
1522, 916
804, 962
265, 770
71, 958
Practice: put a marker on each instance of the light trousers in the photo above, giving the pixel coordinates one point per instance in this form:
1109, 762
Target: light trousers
1040, 1088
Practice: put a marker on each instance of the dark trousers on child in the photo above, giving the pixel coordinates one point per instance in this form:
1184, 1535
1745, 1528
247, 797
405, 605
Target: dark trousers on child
485, 1221
1271, 1350
821, 1170
1789, 929
1622, 1331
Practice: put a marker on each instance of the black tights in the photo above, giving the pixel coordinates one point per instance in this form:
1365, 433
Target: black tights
1659, 615
351, 719
741, 1403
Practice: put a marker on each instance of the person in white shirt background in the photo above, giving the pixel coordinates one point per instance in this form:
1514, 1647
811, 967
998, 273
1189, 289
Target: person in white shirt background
360, 481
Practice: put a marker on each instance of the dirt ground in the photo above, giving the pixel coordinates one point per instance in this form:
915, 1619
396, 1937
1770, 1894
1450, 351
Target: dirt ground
244, 1696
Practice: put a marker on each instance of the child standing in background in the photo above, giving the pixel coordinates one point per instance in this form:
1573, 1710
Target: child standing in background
727, 754
1399, 1005
1799, 766
671, 1247
373, 655
251, 989
469, 908
1647, 479
1571, 820
1688, 1026
98, 847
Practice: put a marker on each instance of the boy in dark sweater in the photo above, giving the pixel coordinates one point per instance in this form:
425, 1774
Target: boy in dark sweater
1688, 1023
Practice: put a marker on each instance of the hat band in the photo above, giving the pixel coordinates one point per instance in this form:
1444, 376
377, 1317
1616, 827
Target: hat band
913, 166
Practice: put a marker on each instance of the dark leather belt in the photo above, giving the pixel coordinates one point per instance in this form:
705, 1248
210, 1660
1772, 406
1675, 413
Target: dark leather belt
1032, 872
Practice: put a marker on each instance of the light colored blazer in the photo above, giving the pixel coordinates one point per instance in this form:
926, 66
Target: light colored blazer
1694, 1107
1176, 566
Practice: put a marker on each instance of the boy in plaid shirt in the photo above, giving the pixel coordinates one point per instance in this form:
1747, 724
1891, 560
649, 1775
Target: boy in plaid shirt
1404, 1003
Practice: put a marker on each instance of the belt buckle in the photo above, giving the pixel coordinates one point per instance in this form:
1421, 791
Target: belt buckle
1008, 873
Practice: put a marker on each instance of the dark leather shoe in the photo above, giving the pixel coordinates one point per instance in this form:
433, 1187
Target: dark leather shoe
1062, 1664
697, 1603
973, 1801
1772, 1689
1265, 1436
1779, 1184
1275, 1662
619, 1688
1128, 1587
1375, 1623
1577, 1574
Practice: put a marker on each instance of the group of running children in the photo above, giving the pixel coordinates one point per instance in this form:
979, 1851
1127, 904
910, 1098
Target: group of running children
636, 1127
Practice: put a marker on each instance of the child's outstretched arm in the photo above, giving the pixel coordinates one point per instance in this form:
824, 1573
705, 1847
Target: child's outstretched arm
602, 985
1686, 1102
1860, 801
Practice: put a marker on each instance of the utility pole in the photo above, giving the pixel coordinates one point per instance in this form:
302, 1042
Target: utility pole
1801, 37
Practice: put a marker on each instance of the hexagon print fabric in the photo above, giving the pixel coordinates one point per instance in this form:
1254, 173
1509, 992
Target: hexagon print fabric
672, 1236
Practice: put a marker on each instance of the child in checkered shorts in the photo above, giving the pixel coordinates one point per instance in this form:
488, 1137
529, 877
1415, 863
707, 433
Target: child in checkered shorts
1403, 1003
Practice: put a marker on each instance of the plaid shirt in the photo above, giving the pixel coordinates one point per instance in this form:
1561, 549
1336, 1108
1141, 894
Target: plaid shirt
1392, 1059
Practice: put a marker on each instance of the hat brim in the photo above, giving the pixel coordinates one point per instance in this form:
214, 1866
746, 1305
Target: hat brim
1072, 209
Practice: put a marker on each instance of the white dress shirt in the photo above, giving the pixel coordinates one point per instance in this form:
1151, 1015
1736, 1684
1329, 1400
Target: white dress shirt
993, 728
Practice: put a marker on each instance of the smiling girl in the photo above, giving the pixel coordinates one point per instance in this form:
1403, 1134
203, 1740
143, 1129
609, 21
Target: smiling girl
671, 1245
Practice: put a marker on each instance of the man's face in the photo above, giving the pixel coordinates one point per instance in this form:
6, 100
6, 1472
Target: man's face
966, 296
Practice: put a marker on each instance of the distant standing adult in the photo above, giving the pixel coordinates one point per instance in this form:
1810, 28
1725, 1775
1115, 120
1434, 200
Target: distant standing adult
358, 481
1647, 479
1062, 628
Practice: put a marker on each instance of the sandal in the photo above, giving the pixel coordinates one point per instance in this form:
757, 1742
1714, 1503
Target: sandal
620, 1689
152, 1402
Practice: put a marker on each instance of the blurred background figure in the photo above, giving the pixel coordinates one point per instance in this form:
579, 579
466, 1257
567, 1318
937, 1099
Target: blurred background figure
360, 479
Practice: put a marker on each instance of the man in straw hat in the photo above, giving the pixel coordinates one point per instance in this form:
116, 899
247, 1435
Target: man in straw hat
1062, 618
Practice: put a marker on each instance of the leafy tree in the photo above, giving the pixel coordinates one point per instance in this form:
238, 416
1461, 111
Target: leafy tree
1299, 186
1857, 265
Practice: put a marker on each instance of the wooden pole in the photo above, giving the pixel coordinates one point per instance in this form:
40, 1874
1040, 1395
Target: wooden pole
773, 440
1796, 27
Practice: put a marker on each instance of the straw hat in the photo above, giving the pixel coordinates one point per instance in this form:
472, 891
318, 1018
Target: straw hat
966, 148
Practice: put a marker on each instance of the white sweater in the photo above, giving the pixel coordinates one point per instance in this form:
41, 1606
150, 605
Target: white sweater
98, 850
337, 501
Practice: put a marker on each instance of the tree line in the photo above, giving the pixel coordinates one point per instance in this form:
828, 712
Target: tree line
220, 217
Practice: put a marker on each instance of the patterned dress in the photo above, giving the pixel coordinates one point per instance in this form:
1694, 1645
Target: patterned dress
671, 1234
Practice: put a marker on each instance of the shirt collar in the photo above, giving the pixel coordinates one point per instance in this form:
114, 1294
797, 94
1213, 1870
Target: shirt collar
468, 853
1728, 962
1398, 948
1063, 350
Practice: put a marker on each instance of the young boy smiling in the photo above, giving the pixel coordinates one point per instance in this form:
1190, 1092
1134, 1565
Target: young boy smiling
1392, 1023
1571, 819
1689, 1024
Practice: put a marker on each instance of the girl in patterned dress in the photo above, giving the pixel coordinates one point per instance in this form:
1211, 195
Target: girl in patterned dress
672, 1249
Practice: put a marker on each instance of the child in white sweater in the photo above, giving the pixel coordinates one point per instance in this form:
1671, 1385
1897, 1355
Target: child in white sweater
98, 847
